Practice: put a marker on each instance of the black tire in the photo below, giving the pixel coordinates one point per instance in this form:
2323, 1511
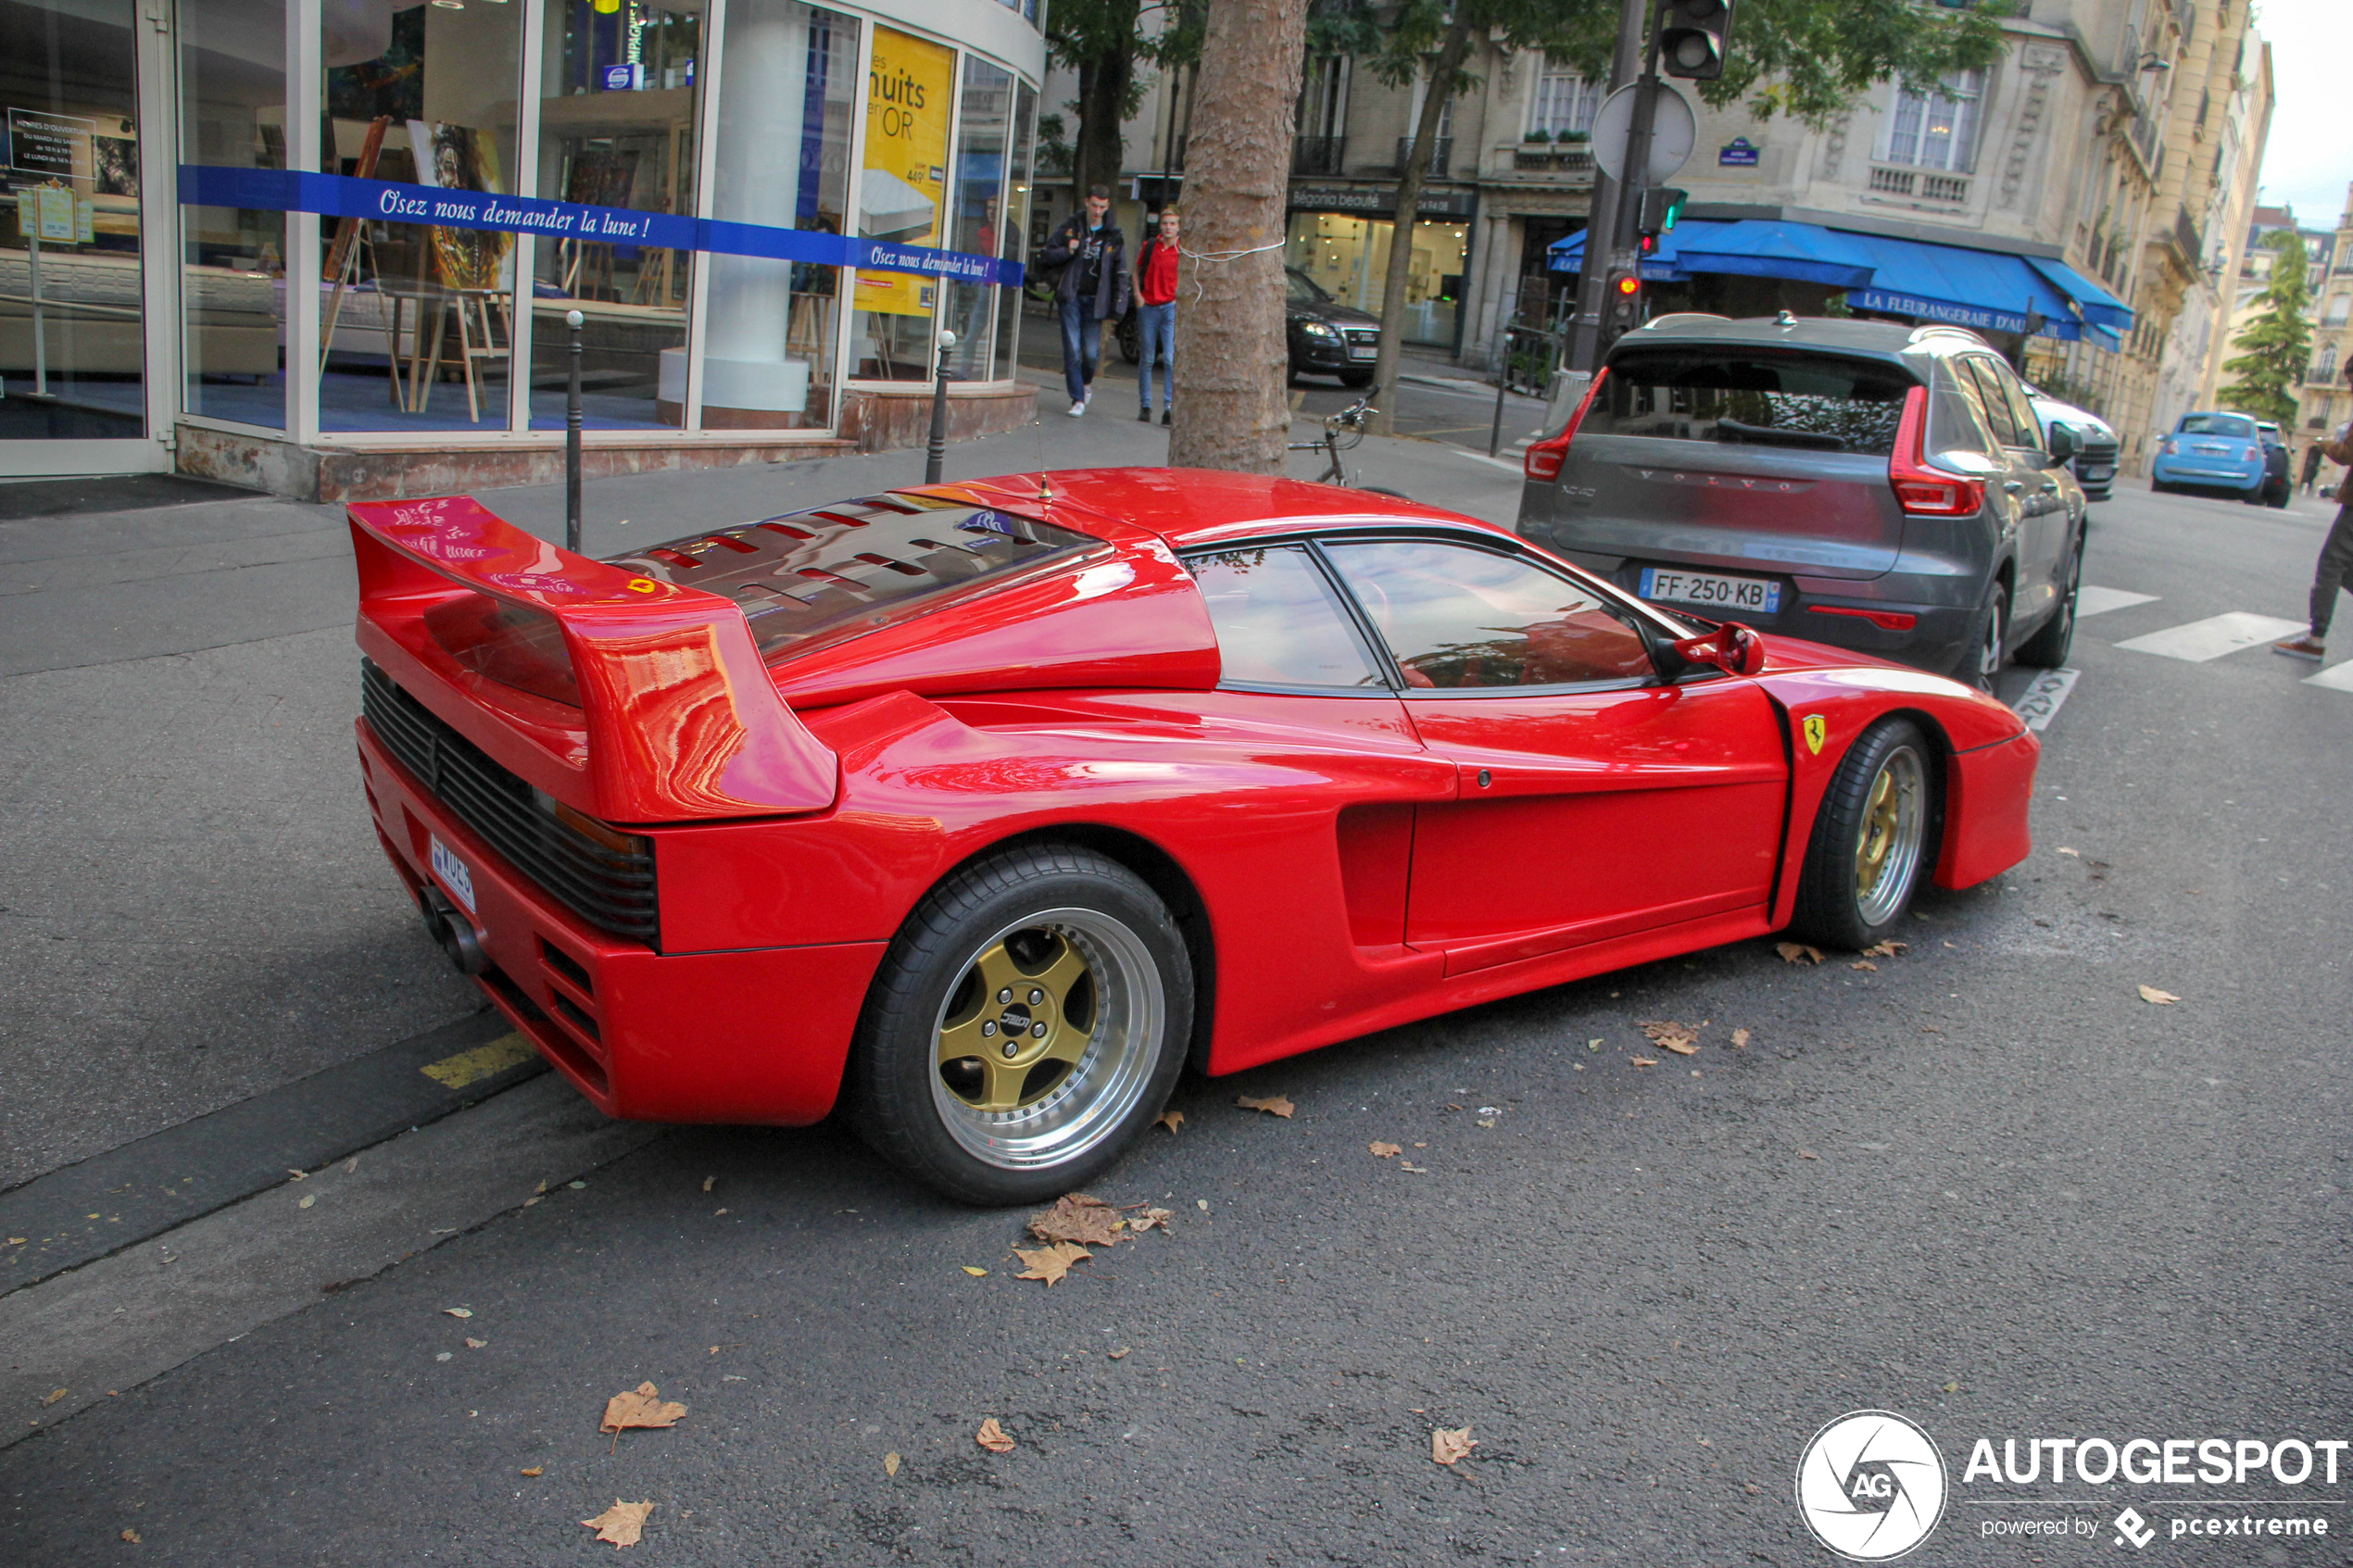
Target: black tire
1131, 972
2158, 487
2047, 648
2278, 503
1355, 378
1131, 342
1982, 660
1834, 907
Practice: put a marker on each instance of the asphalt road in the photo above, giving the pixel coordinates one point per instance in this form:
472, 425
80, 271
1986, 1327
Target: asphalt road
1986, 1186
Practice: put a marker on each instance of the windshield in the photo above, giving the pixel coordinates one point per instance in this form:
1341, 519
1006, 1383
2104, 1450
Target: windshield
1304, 289
2232, 425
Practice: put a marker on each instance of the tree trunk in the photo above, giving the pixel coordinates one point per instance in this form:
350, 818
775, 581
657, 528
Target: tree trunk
1409, 196
1104, 77
1232, 412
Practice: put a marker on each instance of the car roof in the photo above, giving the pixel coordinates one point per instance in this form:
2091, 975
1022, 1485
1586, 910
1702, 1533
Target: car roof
1834, 333
1190, 508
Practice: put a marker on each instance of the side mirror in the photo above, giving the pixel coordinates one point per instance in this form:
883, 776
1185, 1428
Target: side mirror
2062, 444
1731, 647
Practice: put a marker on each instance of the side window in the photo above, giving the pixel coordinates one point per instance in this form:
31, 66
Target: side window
1456, 617
1277, 620
2030, 429
1992, 400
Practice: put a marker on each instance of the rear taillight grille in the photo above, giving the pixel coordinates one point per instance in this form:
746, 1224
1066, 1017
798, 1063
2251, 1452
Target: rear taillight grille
610, 888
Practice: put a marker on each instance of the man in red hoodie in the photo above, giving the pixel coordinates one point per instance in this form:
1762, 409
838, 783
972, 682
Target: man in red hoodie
1156, 312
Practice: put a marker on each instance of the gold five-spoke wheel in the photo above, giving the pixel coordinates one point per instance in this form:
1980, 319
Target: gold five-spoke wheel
1887, 850
1020, 1020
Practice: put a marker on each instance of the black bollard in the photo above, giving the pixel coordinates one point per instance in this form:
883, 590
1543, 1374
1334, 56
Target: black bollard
936, 458
573, 319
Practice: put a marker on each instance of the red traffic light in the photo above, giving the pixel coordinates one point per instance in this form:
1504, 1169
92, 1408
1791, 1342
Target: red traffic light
1627, 284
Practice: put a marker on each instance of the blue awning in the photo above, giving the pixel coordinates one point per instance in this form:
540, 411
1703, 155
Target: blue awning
1993, 290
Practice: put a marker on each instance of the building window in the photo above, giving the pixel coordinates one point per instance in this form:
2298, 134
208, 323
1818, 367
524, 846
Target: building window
2339, 308
1938, 129
1564, 102
2325, 371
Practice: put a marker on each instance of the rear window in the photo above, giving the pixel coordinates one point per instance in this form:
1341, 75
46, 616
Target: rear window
841, 569
2216, 425
1814, 402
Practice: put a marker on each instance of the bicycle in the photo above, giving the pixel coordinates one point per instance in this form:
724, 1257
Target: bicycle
1344, 431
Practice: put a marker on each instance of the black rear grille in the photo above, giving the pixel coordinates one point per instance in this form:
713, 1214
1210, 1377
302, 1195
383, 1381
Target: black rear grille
609, 888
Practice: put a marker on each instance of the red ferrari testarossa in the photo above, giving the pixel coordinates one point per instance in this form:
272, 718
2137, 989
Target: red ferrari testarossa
982, 809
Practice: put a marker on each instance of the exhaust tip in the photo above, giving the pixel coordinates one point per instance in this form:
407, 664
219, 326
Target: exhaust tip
455, 935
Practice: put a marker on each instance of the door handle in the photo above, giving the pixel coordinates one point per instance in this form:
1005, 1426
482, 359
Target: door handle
2012, 486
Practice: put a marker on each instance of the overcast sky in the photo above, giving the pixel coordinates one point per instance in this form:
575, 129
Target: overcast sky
2310, 157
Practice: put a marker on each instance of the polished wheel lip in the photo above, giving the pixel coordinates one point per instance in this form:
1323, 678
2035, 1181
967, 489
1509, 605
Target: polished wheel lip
1887, 848
1111, 1071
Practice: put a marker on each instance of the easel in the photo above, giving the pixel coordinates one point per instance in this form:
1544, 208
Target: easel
343, 262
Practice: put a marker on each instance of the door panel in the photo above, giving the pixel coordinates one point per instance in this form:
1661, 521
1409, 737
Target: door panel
1602, 813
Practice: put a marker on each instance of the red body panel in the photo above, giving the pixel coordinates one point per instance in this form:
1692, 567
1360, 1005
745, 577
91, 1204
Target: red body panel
1358, 861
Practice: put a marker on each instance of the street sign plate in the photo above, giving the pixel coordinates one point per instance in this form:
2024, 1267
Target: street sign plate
1673, 132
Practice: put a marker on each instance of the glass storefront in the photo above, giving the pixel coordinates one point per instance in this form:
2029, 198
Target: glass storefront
733, 125
1349, 257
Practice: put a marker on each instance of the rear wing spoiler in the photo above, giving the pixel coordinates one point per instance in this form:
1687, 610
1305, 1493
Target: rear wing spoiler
676, 717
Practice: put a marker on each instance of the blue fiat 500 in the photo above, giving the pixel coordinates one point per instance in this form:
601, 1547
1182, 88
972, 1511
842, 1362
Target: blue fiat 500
2210, 452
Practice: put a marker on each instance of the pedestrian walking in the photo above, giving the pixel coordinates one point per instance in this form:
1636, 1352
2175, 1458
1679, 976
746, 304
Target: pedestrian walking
1156, 312
2336, 551
2311, 467
1091, 289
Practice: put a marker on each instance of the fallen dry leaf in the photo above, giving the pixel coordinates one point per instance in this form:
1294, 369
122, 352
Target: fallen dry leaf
1150, 1219
1385, 1150
1050, 1263
2161, 999
473, 1344
1865, 964
130, 1536
1807, 1154
1119, 1354
1674, 1036
537, 1470
1172, 1120
2065, 850
977, 1273
1643, 1060
890, 1464
709, 1182
1739, 1040
1274, 1105
1792, 951
1449, 1444
641, 1407
459, 1311
1409, 1165
1077, 1217
992, 1437
308, 1201
53, 1395
1886, 949
621, 1523
1953, 1388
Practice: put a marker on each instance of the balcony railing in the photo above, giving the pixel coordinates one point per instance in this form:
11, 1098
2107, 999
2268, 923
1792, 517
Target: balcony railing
1920, 184
1441, 151
2187, 239
1571, 158
1317, 155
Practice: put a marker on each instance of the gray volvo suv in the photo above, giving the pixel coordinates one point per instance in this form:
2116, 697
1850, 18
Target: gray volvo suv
1879, 487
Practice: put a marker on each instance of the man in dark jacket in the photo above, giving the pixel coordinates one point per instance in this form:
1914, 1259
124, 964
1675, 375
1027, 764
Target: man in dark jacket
1092, 288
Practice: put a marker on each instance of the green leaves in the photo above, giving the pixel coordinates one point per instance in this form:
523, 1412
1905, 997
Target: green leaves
2277, 344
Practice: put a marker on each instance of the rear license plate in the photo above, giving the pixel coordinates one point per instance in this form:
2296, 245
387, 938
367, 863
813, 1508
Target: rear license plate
453, 876
1706, 588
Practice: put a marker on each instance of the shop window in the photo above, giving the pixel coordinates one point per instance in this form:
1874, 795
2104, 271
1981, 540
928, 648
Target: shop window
618, 107
984, 137
1013, 233
1347, 257
901, 191
416, 322
786, 92
233, 96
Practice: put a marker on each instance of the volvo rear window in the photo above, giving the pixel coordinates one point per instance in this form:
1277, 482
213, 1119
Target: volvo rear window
2216, 425
1805, 402
837, 570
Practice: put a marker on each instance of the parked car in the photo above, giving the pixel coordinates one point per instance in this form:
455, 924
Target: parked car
2212, 453
1876, 486
2277, 485
984, 809
2095, 443
1325, 337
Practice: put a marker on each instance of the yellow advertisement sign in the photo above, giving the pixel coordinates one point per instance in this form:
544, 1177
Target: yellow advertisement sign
910, 92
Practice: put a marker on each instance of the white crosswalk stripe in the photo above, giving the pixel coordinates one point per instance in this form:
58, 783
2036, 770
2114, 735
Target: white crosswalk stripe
2091, 600
2336, 678
2199, 641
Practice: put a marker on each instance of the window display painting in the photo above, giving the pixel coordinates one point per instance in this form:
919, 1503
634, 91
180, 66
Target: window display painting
458, 157
909, 96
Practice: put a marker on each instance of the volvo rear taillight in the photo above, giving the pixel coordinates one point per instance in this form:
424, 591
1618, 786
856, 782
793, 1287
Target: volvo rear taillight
1544, 457
1922, 489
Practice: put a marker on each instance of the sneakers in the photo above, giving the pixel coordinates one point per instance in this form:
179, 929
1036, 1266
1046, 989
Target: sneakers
1145, 415
1164, 416
2305, 647
1078, 408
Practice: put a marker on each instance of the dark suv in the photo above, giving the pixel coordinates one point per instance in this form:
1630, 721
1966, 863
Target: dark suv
1876, 486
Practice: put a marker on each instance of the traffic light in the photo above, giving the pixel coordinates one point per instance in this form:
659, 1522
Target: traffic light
1662, 205
1691, 38
1622, 307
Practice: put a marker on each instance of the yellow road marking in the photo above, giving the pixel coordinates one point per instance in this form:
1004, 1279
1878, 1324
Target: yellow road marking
482, 1061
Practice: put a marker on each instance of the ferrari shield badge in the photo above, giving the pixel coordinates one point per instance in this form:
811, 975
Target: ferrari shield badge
1817, 729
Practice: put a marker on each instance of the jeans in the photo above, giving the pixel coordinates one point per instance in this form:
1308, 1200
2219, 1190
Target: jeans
2337, 566
1082, 345
1156, 328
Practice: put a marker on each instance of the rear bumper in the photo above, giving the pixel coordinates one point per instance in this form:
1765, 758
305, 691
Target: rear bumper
757, 1036
2235, 479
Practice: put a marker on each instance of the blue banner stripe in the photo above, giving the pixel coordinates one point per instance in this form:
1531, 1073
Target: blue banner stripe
341, 195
